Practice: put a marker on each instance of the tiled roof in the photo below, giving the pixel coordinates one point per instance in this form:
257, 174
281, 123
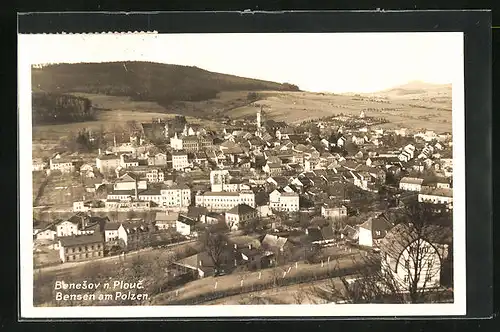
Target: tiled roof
241, 209
69, 241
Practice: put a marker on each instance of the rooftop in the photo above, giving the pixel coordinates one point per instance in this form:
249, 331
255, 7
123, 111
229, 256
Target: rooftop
70, 241
241, 209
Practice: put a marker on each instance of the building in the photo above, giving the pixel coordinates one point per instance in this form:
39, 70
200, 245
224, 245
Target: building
66, 228
437, 196
155, 175
240, 213
184, 225
82, 247
37, 165
404, 247
284, 201
223, 201
180, 160
333, 211
159, 159
176, 196
411, 184
62, 164
166, 220
107, 162
112, 231
372, 231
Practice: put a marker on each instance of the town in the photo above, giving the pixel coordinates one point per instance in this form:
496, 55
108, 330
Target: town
249, 197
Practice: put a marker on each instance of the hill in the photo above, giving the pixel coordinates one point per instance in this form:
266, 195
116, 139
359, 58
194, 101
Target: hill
144, 81
417, 89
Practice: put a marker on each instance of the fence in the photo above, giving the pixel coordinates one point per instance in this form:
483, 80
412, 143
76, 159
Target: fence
272, 285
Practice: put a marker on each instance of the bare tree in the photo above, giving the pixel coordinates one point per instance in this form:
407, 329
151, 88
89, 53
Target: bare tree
214, 243
408, 267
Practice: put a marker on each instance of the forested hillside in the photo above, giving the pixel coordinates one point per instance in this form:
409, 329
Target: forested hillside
55, 108
144, 81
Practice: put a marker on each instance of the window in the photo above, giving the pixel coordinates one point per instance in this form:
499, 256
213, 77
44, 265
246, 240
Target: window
73, 257
406, 279
407, 264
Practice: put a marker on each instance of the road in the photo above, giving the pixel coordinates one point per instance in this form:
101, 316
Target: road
247, 280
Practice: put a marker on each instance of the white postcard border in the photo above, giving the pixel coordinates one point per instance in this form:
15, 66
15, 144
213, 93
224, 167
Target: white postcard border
27, 57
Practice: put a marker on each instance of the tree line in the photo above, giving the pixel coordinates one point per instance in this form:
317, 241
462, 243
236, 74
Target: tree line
53, 108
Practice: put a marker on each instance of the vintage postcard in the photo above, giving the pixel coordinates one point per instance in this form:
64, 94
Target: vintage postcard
241, 175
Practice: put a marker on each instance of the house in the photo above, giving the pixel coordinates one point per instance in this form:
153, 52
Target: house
48, 233
238, 214
275, 243
107, 162
284, 201
321, 235
349, 233
437, 196
158, 159
175, 196
404, 246
62, 164
166, 220
112, 231
155, 175
66, 228
184, 225
81, 247
332, 211
373, 230
180, 160
411, 184
272, 169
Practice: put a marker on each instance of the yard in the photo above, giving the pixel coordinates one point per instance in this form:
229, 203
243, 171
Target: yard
61, 190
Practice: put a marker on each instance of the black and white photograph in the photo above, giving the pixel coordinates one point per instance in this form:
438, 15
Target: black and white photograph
269, 174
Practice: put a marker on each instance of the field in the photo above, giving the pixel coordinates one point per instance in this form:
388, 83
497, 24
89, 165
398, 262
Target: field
61, 190
410, 111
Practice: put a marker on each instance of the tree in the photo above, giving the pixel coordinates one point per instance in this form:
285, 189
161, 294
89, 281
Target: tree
408, 265
214, 243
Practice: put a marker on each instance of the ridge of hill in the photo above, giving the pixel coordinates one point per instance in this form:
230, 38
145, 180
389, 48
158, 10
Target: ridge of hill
144, 81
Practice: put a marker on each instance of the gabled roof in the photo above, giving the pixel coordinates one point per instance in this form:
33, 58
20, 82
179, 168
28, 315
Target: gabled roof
241, 209
273, 241
112, 226
378, 224
162, 216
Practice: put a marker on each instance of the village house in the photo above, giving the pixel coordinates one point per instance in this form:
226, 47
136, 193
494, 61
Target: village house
184, 225
82, 247
112, 231
238, 214
333, 211
166, 220
158, 159
47, 233
64, 165
284, 201
372, 231
403, 247
411, 184
67, 228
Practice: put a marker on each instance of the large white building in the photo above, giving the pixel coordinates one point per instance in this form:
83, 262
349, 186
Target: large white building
284, 201
180, 160
411, 184
176, 196
107, 162
61, 164
223, 201
437, 196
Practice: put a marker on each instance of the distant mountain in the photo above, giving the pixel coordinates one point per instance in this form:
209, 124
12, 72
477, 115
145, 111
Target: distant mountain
418, 88
144, 81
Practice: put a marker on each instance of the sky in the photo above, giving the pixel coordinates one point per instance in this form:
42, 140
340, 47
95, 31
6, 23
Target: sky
326, 62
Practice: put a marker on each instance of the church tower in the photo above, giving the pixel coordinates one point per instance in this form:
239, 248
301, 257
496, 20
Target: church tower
259, 118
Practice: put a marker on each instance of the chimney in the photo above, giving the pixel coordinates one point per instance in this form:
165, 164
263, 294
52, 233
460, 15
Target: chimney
136, 191
100, 151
